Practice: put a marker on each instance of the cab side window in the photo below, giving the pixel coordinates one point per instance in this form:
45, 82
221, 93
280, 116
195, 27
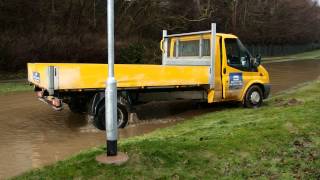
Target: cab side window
192, 48
237, 55
189, 48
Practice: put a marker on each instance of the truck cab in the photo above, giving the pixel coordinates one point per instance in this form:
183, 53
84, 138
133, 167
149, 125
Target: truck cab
201, 66
235, 75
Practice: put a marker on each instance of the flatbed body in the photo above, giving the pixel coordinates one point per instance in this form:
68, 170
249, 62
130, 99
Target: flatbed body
93, 76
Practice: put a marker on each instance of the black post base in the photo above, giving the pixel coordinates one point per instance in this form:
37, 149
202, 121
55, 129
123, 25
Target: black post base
112, 148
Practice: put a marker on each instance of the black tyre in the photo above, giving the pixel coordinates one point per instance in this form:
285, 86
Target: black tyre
253, 97
122, 113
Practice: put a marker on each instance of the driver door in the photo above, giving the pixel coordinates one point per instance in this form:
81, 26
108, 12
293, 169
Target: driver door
236, 69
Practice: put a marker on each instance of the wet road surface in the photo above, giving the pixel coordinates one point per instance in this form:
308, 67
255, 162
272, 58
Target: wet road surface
33, 135
284, 75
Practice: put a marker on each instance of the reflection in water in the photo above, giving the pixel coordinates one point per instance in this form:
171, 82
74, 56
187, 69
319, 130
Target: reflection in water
33, 135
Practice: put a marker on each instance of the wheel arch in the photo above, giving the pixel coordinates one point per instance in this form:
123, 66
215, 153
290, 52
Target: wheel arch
255, 83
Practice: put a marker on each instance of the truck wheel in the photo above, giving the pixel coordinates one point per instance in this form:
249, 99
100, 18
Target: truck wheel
253, 97
122, 113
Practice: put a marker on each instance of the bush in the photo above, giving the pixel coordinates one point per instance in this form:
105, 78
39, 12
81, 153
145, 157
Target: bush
132, 54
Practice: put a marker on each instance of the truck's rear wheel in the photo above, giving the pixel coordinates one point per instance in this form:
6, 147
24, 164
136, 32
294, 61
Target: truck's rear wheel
253, 97
122, 114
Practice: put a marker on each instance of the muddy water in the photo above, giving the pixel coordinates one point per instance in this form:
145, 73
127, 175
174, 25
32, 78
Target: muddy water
33, 135
288, 74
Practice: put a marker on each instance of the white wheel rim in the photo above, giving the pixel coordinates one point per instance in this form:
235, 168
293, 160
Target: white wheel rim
255, 97
120, 116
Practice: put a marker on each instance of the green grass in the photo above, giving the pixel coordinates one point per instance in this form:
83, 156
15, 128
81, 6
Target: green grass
14, 87
278, 141
312, 55
13, 76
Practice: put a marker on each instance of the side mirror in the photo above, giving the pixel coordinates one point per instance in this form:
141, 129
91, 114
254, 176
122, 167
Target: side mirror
257, 61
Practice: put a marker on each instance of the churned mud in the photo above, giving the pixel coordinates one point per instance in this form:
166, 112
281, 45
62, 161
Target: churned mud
287, 102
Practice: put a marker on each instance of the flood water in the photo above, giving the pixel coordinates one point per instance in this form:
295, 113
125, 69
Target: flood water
33, 135
284, 75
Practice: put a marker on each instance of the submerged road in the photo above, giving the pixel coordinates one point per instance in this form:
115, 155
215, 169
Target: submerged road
33, 135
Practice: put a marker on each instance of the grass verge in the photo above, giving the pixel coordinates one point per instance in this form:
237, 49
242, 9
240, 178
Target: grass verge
312, 55
4, 76
14, 87
278, 141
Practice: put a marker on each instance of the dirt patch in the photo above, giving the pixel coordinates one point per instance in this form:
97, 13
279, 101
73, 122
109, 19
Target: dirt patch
287, 102
291, 128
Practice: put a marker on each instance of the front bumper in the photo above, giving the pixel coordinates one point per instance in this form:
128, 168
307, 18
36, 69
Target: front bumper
266, 92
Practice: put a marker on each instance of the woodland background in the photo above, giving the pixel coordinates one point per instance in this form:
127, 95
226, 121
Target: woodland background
75, 30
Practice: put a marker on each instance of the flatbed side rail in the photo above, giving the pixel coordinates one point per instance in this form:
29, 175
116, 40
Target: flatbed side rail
187, 34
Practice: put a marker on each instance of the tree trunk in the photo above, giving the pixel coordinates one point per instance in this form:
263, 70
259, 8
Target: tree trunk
53, 8
198, 6
94, 14
234, 16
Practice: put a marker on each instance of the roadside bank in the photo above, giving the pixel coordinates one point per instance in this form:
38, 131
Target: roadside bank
280, 140
311, 55
9, 87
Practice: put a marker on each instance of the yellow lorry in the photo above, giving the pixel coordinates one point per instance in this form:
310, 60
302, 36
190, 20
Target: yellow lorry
202, 66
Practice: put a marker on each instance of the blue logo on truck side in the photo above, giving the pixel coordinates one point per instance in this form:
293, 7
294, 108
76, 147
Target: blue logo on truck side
36, 77
236, 81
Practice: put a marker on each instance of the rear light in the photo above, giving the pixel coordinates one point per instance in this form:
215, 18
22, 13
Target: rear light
56, 102
39, 93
